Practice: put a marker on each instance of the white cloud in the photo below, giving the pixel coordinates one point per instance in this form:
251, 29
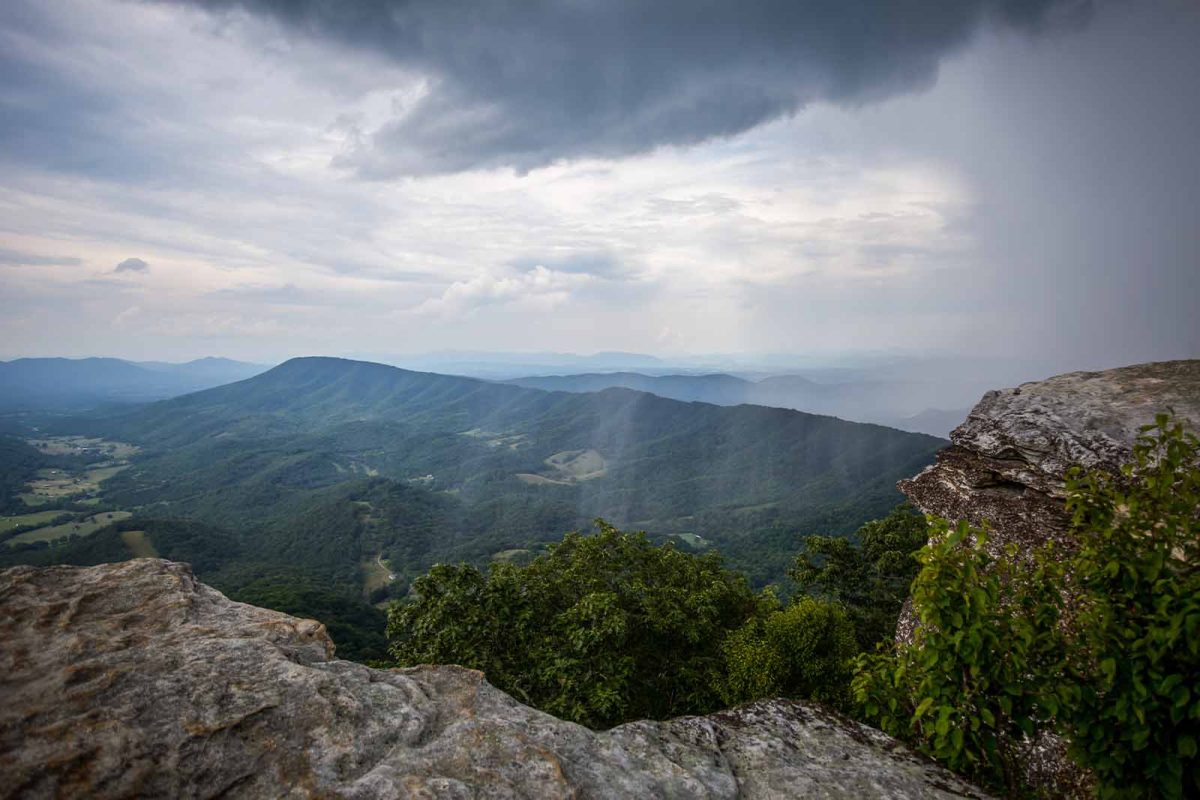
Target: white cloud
538, 289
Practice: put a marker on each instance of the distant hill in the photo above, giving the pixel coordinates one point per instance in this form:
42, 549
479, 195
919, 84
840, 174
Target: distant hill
60, 384
886, 402
331, 479
507, 465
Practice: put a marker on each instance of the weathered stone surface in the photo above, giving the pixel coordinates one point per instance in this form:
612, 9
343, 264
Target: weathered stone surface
135, 679
1006, 462
1006, 466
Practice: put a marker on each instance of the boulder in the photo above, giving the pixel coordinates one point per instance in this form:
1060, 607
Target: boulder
1006, 466
1006, 462
135, 679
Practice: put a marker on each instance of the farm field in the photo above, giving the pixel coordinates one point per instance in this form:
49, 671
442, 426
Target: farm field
101, 449
99, 460
80, 527
376, 574
36, 518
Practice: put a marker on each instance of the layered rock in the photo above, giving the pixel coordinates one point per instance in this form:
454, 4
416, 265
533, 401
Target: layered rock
1007, 461
135, 679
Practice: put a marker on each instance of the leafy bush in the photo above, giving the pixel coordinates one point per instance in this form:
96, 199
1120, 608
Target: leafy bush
870, 578
1136, 722
600, 630
974, 679
1102, 645
803, 651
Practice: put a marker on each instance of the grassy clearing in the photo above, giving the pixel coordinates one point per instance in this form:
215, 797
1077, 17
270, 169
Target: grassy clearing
509, 555
98, 474
581, 465
567, 468
137, 543
376, 573
513, 441
692, 540
36, 518
79, 527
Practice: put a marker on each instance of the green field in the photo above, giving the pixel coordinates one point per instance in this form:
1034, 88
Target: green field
36, 518
376, 573
692, 540
80, 527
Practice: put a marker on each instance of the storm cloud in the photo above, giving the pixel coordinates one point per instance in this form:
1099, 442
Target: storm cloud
132, 265
994, 179
523, 85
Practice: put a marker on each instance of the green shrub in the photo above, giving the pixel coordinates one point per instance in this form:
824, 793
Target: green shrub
978, 674
1101, 644
1136, 723
600, 630
804, 651
869, 574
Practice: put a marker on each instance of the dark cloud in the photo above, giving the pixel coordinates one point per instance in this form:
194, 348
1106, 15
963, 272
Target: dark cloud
523, 84
132, 265
17, 258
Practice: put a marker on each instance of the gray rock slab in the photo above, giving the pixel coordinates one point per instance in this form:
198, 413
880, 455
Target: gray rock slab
136, 680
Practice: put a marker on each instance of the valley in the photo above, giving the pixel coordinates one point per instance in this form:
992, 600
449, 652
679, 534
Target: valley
62, 493
327, 485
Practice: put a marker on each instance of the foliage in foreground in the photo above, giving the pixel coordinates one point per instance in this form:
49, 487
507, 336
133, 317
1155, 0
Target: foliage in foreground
870, 578
803, 651
1136, 721
964, 690
600, 630
1103, 646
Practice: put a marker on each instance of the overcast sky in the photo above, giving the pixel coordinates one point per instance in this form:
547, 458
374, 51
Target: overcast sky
261, 179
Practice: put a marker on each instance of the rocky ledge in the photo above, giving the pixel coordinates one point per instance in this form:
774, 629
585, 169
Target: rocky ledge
1006, 466
135, 679
1006, 463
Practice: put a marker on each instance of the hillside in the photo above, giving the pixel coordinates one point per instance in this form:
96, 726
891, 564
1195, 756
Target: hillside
661, 458
60, 384
324, 478
896, 403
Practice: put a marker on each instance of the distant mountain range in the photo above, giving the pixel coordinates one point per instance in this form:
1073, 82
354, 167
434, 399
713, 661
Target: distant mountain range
61, 384
877, 401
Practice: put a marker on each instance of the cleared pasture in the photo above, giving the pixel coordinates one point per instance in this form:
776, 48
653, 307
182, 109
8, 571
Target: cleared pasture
36, 518
79, 527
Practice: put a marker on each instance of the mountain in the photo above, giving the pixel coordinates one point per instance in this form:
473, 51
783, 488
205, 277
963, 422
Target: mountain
627, 454
75, 383
322, 481
886, 402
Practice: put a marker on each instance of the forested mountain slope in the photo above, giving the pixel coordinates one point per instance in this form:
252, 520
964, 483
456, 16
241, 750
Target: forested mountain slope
893, 402
324, 478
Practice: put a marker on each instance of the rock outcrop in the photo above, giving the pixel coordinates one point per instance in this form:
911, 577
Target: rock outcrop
135, 679
1006, 466
1006, 463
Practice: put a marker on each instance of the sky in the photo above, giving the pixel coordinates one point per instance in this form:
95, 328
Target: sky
262, 179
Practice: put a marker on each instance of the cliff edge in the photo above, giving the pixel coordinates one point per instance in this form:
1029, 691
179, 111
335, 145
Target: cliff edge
1006, 462
135, 679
